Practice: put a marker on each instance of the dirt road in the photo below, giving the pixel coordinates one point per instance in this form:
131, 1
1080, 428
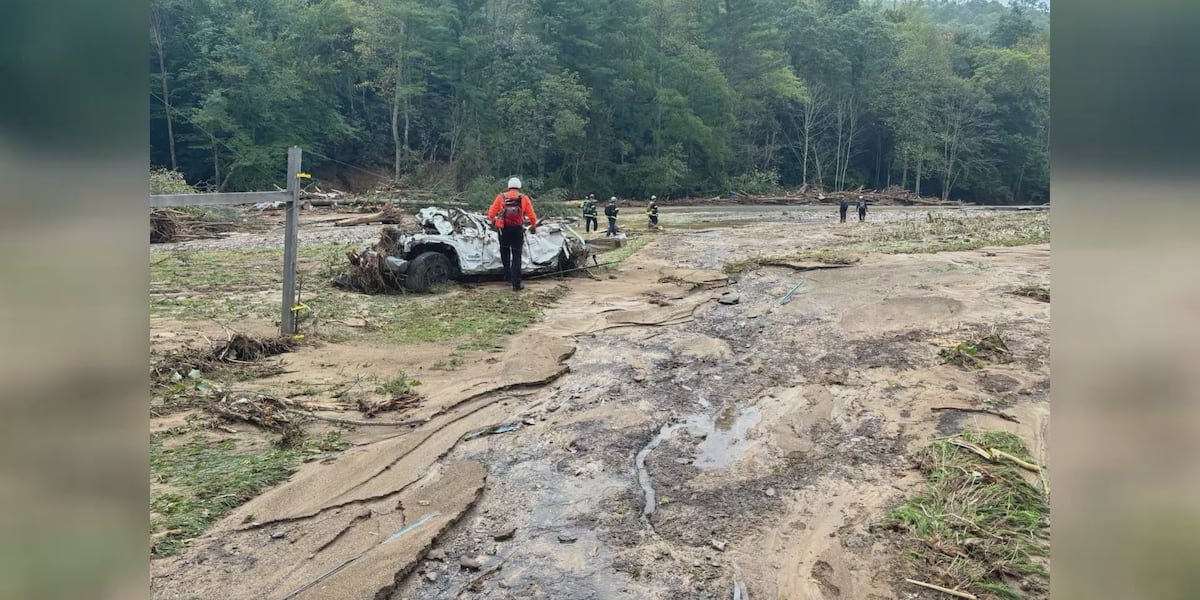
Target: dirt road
671, 432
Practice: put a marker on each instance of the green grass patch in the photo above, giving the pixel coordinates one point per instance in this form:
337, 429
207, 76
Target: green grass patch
979, 526
623, 253
476, 318
196, 483
398, 386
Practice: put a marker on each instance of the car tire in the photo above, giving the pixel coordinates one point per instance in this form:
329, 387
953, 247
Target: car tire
426, 270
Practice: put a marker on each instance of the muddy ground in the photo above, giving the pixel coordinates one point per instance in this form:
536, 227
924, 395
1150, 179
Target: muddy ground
665, 430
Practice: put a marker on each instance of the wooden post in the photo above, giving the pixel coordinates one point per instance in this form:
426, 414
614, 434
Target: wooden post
287, 321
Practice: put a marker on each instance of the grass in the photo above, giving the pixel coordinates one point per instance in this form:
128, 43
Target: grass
200, 481
828, 256
476, 318
979, 526
623, 253
398, 386
233, 286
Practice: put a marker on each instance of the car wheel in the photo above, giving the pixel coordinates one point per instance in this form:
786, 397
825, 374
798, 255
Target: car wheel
426, 270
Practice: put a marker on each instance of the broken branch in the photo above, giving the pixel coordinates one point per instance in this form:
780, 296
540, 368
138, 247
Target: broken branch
939, 588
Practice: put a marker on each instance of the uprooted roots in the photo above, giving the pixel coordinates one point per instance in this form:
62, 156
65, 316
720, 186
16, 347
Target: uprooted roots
169, 225
261, 410
239, 351
370, 408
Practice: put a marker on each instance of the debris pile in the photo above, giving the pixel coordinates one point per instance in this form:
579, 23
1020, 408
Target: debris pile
239, 350
264, 411
169, 225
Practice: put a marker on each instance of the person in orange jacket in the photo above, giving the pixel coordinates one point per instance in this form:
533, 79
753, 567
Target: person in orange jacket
508, 212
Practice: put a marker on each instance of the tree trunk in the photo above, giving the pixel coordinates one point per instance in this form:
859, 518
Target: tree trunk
397, 99
216, 164
917, 176
156, 32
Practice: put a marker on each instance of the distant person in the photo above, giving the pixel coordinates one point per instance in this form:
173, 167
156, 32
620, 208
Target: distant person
509, 211
862, 208
611, 211
843, 206
589, 214
652, 211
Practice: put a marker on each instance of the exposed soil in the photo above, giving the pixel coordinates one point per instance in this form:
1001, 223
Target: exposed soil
644, 440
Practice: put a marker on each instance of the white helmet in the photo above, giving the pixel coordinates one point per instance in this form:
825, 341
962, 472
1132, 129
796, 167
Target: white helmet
654, 197
514, 183
613, 199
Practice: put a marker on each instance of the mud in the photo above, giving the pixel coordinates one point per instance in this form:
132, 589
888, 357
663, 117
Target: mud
677, 441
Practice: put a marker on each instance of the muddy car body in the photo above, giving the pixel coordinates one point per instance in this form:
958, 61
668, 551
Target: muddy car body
454, 244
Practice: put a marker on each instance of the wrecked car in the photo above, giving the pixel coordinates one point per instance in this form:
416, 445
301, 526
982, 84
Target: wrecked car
454, 244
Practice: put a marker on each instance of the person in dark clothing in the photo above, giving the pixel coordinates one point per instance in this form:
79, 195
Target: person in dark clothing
509, 211
862, 208
589, 214
843, 206
611, 211
652, 211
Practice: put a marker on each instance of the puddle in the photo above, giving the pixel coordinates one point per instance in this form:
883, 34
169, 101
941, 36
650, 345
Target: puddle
725, 442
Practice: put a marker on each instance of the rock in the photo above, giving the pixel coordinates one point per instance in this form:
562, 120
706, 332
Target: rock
717, 544
505, 533
278, 535
683, 461
552, 408
567, 538
639, 377
431, 576
951, 387
494, 550
529, 422
695, 564
770, 492
470, 562
730, 299
437, 554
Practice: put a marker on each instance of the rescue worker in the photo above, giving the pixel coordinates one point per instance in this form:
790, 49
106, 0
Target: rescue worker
862, 208
589, 214
611, 211
652, 211
843, 206
509, 211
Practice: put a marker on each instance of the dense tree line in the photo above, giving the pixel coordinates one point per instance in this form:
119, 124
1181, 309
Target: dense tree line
625, 97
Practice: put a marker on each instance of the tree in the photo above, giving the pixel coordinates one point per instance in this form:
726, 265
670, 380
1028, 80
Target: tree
964, 133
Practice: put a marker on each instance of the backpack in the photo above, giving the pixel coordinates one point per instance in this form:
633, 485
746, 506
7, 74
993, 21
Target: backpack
513, 217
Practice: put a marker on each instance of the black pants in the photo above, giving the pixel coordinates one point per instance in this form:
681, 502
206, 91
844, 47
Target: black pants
843, 213
862, 215
654, 220
590, 223
511, 241
612, 227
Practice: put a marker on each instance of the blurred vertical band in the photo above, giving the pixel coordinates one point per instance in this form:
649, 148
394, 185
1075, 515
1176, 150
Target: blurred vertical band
73, 440
1126, 327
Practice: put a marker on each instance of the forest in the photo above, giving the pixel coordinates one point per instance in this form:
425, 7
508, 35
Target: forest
945, 98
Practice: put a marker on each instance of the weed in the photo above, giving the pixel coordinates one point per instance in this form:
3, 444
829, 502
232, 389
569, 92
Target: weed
1037, 292
946, 268
977, 353
398, 386
978, 522
198, 482
451, 363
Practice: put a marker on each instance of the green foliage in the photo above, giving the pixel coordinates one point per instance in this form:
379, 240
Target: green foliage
196, 483
625, 97
980, 521
756, 182
163, 181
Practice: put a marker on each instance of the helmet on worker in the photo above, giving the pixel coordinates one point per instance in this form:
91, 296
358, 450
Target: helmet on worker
613, 199
654, 197
514, 183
